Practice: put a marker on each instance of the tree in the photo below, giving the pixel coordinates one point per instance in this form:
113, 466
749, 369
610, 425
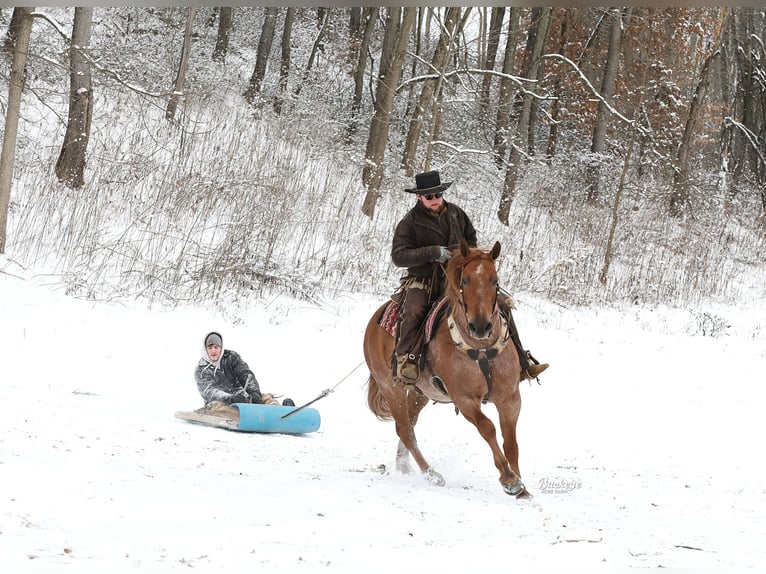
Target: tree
70, 166
316, 48
284, 62
13, 109
743, 134
540, 25
183, 66
500, 143
430, 86
262, 57
222, 39
371, 17
598, 144
398, 25
493, 41
680, 194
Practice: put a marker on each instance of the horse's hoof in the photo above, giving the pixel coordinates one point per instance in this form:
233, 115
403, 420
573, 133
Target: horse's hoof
434, 477
516, 488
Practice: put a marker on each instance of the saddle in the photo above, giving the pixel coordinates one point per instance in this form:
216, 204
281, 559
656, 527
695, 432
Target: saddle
388, 319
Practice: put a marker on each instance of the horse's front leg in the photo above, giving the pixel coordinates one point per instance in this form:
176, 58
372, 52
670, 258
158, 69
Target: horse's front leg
510, 480
509, 416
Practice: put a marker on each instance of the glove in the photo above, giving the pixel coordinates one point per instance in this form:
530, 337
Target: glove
255, 393
444, 255
240, 396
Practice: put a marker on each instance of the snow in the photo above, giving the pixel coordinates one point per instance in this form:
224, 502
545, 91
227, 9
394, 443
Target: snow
640, 446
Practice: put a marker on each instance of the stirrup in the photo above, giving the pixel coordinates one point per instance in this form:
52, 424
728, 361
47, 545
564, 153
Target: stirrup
534, 371
407, 369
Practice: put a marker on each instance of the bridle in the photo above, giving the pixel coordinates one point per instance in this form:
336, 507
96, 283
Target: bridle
480, 355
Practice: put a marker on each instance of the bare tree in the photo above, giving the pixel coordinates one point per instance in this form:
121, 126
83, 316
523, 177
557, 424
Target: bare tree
553, 130
262, 58
371, 17
598, 144
439, 60
183, 66
398, 25
316, 48
542, 24
493, 41
70, 166
13, 109
222, 39
500, 144
743, 137
284, 62
680, 194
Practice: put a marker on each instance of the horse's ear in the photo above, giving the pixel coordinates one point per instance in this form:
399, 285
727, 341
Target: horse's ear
464, 247
495, 250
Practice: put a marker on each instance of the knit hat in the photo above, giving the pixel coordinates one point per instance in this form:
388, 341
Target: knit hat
213, 339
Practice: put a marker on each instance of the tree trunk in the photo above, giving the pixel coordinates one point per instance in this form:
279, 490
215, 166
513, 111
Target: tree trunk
70, 166
438, 65
553, 131
598, 143
493, 41
315, 49
222, 39
170, 112
500, 144
544, 29
371, 17
679, 196
284, 62
522, 131
398, 25
262, 58
12, 111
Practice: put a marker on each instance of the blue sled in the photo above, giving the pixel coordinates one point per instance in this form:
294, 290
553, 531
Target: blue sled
268, 418
254, 418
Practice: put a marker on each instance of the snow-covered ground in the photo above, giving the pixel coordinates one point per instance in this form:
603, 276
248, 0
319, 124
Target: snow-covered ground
641, 446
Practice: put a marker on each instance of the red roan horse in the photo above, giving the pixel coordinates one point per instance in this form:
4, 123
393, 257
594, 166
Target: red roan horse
467, 362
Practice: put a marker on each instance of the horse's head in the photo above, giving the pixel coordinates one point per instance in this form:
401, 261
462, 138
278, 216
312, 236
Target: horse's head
473, 285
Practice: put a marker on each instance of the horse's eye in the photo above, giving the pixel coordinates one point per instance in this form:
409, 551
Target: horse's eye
495, 282
463, 282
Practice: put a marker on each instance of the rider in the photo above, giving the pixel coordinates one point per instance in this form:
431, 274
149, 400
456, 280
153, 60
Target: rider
223, 376
420, 244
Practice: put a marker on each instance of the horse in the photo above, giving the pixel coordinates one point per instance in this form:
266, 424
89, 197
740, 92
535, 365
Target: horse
467, 362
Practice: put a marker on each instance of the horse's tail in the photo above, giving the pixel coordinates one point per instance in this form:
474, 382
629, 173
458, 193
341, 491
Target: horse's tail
376, 401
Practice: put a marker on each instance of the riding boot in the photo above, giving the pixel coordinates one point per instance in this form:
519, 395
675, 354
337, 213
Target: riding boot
531, 368
411, 317
407, 368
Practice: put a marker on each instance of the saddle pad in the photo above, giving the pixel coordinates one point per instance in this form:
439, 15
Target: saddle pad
434, 316
388, 318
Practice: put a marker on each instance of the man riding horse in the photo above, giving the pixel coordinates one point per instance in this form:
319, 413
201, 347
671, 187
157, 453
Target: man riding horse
421, 243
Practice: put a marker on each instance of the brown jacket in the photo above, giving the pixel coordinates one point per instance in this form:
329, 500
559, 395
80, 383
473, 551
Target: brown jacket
420, 233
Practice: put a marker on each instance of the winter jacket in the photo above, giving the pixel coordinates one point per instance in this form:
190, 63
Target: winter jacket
420, 233
218, 380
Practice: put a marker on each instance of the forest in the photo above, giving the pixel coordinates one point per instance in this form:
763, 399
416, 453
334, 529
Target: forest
206, 154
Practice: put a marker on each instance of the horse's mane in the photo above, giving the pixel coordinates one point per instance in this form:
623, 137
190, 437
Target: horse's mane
454, 270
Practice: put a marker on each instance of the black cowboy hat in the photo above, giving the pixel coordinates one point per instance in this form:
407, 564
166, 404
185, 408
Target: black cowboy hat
428, 182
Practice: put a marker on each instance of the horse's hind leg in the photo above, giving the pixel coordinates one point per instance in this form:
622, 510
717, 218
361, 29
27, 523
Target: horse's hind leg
403, 458
405, 415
